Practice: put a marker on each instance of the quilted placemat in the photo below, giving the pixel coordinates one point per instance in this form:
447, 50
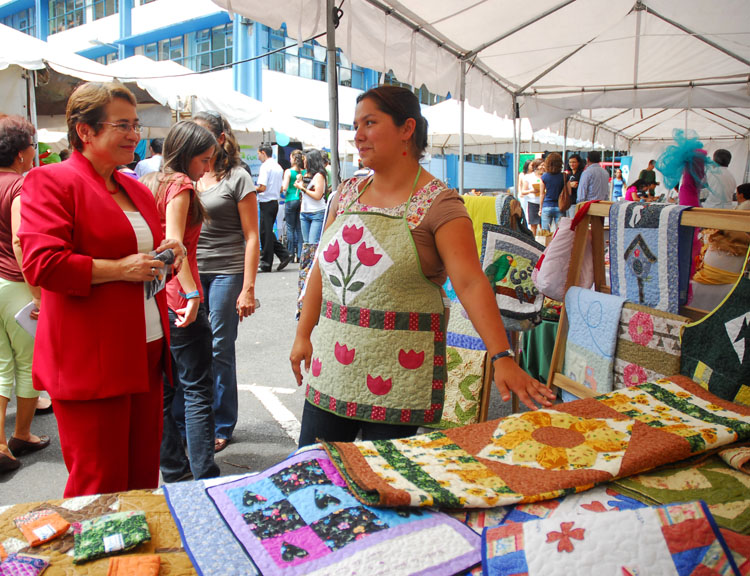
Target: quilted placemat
675, 539
463, 390
298, 518
534, 456
649, 254
593, 319
725, 490
648, 345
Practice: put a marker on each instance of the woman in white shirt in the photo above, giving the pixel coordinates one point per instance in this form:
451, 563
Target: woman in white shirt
312, 187
531, 194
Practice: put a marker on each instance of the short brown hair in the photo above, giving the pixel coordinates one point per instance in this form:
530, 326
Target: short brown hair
86, 106
16, 134
553, 163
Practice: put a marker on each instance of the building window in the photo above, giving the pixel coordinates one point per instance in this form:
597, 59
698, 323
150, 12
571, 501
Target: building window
309, 61
65, 14
424, 95
24, 21
102, 8
201, 50
107, 58
210, 48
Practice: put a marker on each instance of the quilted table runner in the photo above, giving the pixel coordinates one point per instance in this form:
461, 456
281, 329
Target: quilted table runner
539, 455
298, 518
669, 541
649, 254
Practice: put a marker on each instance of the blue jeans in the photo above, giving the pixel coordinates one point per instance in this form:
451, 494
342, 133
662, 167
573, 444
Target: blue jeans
317, 423
221, 292
190, 349
293, 228
312, 226
550, 214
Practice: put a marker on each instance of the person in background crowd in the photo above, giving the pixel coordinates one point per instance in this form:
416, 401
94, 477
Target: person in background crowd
152, 164
575, 171
88, 234
17, 151
361, 170
743, 196
327, 163
618, 183
293, 204
64, 154
313, 187
188, 149
530, 185
720, 184
553, 183
648, 175
270, 179
636, 191
228, 253
594, 183
407, 232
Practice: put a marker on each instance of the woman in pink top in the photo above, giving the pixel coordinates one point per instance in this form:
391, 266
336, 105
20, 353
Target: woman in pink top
188, 149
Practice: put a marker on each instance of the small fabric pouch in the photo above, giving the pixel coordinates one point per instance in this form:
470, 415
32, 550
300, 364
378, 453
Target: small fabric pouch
142, 565
3, 553
41, 526
23, 565
108, 535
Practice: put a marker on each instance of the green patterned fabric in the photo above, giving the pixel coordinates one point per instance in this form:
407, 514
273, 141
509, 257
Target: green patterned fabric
463, 391
109, 535
724, 489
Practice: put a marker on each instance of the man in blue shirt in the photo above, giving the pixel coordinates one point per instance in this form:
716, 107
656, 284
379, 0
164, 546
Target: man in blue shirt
594, 184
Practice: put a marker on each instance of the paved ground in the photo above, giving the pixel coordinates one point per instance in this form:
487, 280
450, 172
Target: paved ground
270, 401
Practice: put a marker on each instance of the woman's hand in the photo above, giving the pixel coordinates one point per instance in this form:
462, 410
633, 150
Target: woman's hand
139, 268
246, 303
301, 350
179, 252
509, 376
186, 316
34, 314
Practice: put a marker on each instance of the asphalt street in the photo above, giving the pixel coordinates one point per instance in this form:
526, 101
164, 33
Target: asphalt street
270, 401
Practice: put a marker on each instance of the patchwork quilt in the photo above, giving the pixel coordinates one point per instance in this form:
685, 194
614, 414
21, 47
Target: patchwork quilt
533, 456
649, 254
593, 319
298, 517
670, 540
648, 345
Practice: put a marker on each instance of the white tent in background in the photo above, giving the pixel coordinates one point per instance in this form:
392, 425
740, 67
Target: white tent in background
552, 60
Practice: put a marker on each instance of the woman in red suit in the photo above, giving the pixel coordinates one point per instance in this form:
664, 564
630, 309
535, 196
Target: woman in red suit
88, 234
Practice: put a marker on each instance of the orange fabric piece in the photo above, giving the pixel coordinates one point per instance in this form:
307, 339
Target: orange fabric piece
139, 565
45, 528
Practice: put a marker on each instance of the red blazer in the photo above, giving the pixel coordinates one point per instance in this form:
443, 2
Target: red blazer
91, 339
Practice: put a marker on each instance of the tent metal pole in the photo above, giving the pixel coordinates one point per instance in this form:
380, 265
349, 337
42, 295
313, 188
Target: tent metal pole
31, 100
461, 102
565, 140
516, 148
333, 92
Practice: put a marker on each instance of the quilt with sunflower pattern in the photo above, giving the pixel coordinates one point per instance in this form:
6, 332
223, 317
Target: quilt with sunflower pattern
533, 456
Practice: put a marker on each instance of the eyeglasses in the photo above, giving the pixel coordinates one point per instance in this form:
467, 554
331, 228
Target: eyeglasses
124, 127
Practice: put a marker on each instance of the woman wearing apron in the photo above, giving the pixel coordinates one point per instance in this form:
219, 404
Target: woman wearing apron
376, 358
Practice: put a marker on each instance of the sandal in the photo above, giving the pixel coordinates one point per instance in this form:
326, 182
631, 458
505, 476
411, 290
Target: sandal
43, 405
8, 464
220, 444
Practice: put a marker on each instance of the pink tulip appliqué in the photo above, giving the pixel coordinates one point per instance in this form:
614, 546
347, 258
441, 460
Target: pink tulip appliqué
352, 234
410, 360
368, 256
332, 252
378, 386
343, 354
316, 366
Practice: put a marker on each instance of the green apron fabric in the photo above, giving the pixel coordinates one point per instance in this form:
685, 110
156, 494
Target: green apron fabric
379, 347
722, 366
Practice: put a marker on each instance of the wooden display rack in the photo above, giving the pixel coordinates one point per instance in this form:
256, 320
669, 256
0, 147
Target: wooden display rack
695, 217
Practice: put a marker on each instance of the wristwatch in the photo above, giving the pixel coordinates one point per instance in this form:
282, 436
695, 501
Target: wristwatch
503, 354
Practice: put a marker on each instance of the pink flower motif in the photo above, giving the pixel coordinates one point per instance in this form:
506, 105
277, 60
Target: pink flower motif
332, 252
565, 535
316, 365
367, 256
343, 354
352, 234
634, 375
641, 328
410, 360
378, 386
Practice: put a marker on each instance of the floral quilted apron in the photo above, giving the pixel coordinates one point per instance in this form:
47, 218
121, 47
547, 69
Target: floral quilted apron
379, 346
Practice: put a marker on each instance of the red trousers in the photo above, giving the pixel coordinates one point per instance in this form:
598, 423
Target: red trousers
112, 444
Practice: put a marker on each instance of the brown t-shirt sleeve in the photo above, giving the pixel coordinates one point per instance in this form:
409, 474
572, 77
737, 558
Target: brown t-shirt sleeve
447, 206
